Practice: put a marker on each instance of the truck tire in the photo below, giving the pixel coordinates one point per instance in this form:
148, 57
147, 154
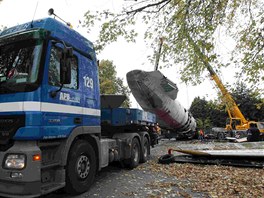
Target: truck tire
145, 150
135, 154
81, 168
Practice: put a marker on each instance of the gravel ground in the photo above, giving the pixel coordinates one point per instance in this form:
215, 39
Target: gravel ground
153, 180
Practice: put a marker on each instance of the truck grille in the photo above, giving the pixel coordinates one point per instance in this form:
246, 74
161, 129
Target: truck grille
8, 127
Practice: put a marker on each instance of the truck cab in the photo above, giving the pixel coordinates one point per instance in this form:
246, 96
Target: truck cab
50, 114
49, 92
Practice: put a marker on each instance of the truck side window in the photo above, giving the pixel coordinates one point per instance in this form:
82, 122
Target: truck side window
54, 69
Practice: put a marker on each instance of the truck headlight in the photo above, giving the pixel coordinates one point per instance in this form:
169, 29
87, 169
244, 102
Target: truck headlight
15, 161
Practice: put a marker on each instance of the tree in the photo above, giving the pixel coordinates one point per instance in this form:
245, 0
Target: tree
217, 113
200, 112
191, 30
110, 83
213, 113
199, 108
249, 101
208, 113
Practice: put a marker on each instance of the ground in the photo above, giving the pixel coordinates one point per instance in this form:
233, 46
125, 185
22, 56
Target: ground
154, 180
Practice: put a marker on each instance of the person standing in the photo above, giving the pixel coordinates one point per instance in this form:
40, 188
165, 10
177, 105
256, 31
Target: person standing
253, 133
153, 135
201, 135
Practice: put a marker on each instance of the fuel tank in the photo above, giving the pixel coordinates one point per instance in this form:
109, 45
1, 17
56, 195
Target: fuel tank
157, 94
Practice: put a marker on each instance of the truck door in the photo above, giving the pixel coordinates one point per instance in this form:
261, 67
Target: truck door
62, 112
89, 84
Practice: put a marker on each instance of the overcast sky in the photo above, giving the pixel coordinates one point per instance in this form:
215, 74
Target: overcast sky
125, 56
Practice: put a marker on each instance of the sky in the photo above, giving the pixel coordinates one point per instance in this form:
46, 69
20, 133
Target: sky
125, 56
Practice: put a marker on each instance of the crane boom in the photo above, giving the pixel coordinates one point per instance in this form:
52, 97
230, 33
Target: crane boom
237, 120
232, 108
234, 112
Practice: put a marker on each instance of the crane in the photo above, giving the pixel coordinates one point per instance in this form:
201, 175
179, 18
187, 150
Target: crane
236, 120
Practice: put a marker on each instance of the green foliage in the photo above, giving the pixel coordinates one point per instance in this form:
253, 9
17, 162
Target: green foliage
114, 26
213, 113
191, 28
249, 101
208, 114
217, 113
110, 83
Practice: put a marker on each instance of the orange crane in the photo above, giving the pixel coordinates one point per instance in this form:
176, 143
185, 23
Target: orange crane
236, 120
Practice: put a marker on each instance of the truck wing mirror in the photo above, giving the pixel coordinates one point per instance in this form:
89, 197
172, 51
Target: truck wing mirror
65, 66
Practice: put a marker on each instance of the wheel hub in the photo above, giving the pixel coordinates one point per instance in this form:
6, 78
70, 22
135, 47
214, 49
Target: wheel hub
83, 166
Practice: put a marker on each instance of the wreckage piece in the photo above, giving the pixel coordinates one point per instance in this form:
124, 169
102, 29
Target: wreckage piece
244, 158
157, 94
217, 161
248, 153
245, 153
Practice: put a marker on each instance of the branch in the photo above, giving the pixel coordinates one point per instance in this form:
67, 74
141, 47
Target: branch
249, 10
157, 11
148, 6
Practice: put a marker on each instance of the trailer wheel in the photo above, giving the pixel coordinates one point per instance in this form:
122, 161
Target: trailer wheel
166, 159
220, 136
81, 167
135, 154
145, 150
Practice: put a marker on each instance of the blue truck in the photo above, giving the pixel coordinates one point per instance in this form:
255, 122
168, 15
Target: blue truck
55, 129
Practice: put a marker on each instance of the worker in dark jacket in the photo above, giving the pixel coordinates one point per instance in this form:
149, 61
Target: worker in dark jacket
153, 132
253, 133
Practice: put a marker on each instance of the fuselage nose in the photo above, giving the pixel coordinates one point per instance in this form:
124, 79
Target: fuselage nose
135, 75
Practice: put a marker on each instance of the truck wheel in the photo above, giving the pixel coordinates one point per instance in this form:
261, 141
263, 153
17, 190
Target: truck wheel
81, 167
135, 154
220, 136
145, 150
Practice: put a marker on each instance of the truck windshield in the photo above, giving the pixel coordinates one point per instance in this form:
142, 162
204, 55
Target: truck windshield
19, 65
